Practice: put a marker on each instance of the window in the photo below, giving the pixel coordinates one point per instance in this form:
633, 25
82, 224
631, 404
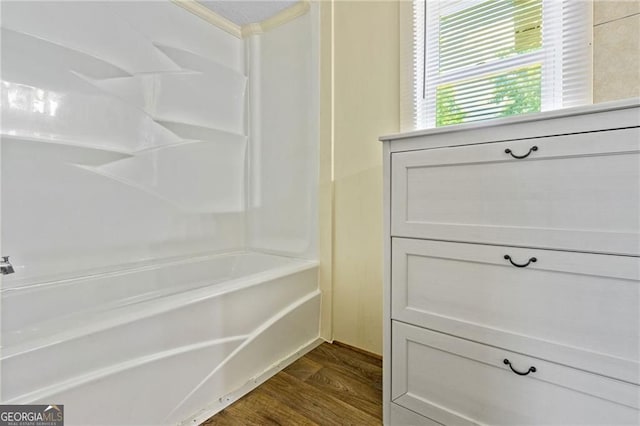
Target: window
475, 60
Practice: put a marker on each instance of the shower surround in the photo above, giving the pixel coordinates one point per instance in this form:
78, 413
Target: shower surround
159, 181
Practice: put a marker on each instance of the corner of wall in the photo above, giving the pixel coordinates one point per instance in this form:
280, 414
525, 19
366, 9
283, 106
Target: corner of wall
365, 104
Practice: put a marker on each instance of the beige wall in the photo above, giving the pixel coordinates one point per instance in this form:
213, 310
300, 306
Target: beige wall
616, 50
364, 105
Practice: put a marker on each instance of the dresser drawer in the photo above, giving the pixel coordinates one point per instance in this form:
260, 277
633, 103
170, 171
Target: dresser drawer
456, 381
572, 192
579, 309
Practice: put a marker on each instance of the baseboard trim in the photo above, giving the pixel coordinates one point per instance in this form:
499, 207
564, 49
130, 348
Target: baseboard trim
353, 348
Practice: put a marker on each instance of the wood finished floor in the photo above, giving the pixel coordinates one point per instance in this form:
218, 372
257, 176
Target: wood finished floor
331, 385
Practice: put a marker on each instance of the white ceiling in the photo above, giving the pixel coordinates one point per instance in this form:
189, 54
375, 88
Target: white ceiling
242, 12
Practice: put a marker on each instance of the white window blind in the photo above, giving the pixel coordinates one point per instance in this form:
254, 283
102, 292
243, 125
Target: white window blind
480, 59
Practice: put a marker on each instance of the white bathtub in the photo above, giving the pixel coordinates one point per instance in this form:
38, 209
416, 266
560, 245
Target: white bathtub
162, 342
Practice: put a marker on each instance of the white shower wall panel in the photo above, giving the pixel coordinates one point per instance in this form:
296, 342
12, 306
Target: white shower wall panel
93, 177
205, 93
60, 219
215, 186
54, 66
161, 22
88, 27
68, 118
284, 97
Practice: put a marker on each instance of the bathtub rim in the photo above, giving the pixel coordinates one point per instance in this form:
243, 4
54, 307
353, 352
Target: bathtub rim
131, 267
156, 306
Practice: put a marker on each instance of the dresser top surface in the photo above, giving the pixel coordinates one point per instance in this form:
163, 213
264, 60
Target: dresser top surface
496, 124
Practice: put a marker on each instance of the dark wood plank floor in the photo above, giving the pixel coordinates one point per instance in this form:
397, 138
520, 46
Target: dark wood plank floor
331, 385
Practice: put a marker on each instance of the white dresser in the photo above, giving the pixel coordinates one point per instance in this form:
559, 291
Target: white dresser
512, 271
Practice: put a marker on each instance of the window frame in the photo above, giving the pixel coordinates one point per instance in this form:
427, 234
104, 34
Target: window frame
559, 17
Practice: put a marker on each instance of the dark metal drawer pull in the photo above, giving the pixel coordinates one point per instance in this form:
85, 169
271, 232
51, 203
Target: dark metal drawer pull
520, 157
531, 260
519, 373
